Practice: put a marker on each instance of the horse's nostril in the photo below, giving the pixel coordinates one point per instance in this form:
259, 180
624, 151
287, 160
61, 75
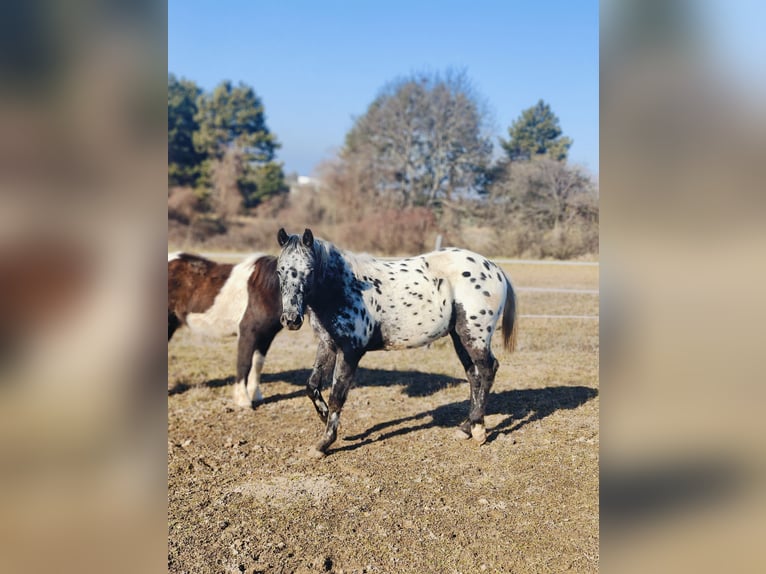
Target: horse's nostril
291, 321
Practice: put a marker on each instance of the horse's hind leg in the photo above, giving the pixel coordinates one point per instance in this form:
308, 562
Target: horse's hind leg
485, 368
481, 367
464, 430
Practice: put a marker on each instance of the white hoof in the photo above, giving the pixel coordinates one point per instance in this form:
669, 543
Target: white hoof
479, 434
461, 434
241, 399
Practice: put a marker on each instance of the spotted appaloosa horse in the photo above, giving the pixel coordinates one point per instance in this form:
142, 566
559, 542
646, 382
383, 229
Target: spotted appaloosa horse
361, 304
222, 299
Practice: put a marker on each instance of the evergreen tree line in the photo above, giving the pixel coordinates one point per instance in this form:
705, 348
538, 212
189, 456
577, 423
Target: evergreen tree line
221, 135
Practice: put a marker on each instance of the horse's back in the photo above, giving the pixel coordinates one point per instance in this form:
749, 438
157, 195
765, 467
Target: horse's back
209, 297
416, 300
194, 282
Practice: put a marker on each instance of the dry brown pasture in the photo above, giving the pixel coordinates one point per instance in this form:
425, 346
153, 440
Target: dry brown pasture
397, 493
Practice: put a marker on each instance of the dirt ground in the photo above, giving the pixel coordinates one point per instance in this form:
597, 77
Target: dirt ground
397, 492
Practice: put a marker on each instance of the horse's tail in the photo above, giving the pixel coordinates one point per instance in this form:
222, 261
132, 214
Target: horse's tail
509, 318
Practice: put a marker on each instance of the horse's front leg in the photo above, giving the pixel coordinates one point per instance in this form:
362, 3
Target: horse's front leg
245, 348
343, 376
323, 369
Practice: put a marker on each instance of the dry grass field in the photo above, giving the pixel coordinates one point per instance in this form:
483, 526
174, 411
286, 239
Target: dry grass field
397, 493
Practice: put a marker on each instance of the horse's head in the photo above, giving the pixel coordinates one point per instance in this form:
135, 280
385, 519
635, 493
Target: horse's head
297, 269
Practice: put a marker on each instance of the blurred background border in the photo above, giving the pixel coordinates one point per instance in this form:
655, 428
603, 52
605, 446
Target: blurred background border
82, 228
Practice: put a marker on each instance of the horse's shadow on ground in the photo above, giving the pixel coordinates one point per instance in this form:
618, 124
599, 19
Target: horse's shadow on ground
520, 408
296, 377
415, 383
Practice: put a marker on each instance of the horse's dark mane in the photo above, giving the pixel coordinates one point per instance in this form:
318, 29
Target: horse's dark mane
323, 251
293, 242
264, 277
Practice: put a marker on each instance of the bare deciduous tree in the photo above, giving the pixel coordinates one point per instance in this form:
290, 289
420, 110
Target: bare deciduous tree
547, 206
544, 192
425, 138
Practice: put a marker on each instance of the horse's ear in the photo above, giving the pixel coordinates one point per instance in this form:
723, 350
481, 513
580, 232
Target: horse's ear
308, 238
282, 237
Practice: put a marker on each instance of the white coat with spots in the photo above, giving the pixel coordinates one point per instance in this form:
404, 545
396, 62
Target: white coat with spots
361, 304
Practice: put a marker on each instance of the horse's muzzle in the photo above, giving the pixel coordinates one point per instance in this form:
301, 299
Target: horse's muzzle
291, 321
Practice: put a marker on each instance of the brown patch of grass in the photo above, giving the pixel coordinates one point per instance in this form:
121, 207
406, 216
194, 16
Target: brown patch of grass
557, 304
569, 276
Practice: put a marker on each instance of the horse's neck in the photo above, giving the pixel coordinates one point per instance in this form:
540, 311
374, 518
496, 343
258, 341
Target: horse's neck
325, 256
334, 270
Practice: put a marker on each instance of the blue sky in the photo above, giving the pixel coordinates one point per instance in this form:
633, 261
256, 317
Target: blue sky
316, 65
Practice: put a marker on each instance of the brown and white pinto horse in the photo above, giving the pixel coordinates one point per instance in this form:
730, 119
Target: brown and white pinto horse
220, 299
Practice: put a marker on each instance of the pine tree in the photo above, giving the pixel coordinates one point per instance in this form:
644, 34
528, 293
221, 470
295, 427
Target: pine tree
232, 117
536, 133
184, 161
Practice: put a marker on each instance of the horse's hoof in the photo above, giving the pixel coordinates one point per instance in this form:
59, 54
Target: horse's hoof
461, 434
479, 434
244, 402
316, 454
